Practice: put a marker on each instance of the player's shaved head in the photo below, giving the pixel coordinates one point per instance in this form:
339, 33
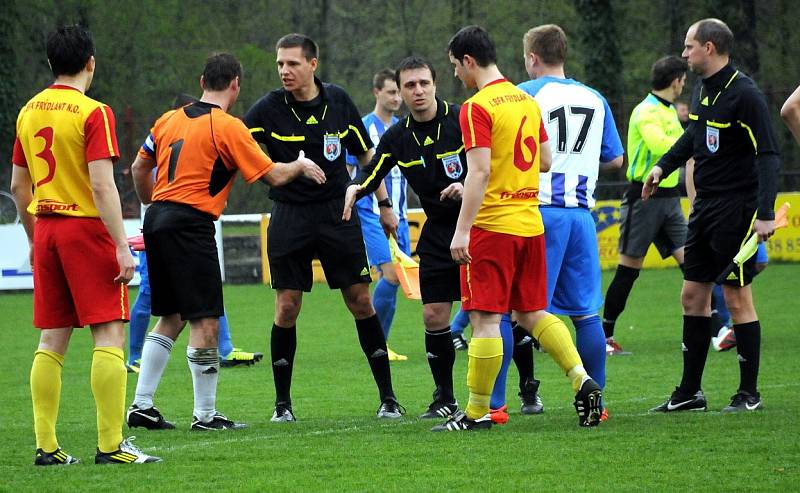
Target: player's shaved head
307, 45
716, 32
69, 49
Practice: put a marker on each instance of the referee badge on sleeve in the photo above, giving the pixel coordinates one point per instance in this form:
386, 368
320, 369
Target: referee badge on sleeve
331, 146
452, 166
712, 138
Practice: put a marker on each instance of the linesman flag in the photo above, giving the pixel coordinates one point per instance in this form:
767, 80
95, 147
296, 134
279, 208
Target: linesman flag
751, 245
407, 270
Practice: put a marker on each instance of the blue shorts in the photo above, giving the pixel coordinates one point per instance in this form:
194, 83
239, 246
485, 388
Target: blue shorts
573, 261
375, 239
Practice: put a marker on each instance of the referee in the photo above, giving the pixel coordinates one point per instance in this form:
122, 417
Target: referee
321, 120
427, 147
736, 174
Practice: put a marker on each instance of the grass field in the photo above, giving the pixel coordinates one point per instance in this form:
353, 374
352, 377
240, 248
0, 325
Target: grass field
338, 444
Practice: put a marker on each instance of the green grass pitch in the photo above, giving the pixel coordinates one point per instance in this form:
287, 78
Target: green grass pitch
338, 444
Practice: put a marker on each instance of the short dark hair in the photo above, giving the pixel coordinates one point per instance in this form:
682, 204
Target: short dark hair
475, 42
309, 46
548, 42
411, 63
717, 32
379, 79
220, 70
665, 70
69, 49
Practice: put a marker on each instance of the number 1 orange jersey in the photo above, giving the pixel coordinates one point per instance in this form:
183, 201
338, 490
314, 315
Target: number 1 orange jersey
508, 121
60, 131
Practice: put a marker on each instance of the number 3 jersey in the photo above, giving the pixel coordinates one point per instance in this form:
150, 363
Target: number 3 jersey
59, 131
582, 135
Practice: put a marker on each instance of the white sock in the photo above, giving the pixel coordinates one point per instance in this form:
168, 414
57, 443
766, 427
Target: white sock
155, 355
204, 365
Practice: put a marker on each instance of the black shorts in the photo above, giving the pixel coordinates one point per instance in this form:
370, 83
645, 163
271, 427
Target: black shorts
439, 275
182, 262
717, 230
298, 233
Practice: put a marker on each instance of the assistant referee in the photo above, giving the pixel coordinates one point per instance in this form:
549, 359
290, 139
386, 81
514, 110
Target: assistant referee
736, 175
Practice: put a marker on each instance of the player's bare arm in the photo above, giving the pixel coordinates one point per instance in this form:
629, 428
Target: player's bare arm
22, 191
283, 173
106, 198
790, 112
612, 165
142, 175
545, 158
478, 168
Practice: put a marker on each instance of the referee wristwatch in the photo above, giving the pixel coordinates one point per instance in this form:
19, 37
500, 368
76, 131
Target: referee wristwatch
387, 202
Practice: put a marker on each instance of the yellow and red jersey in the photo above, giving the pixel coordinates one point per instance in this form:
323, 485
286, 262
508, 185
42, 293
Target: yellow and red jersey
198, 149
60, 131
507, 121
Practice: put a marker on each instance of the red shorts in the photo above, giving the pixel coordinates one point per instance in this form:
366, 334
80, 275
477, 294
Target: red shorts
507, 272
74, 266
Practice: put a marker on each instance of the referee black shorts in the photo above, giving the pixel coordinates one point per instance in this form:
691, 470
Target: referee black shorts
717, 230
182, 261
300, 232
439, 275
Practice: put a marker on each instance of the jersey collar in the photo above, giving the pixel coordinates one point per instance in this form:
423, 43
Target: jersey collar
661, 100
63, 86
720, 79
323, 94
442, 109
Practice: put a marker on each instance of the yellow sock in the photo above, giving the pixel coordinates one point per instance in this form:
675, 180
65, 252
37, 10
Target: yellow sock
46, 394
554, 337
109, 379
485, 358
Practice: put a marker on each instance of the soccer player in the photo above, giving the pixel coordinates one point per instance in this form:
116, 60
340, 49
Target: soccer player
790, 112
384, 297
426, 147
583, 140
321, 120
499, 235
736, 175
140, 311
653, 128
63, 185
198, 150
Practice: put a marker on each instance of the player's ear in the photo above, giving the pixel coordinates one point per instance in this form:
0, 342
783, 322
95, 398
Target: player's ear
202, 83
90, 64
314, 63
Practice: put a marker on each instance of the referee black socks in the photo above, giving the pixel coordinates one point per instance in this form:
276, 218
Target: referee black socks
283, 345
748, 345
441, 358
617, 296
370, 335
696, 339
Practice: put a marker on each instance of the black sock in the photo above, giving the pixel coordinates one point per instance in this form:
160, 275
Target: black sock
748, 345
716, 320
696, 339
441, 358
370, 335
617, 296
283, 344
523, 353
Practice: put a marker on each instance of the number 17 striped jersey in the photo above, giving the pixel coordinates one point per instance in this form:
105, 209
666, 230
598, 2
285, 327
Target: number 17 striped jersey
582, 135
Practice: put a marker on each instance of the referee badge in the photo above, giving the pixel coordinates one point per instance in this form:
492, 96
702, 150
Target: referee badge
452, 166
712, 138
331, 146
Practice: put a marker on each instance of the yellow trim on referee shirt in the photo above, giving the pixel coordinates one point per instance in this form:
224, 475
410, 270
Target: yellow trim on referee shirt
712, 123
360, 138
750, 133
375, 171
256, 129
287, 138
692, 116
409, 164
450, 153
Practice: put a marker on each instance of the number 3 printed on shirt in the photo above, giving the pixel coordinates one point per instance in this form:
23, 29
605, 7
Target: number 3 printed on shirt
47, 154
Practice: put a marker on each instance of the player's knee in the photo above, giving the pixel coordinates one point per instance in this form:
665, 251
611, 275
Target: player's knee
435, 317
286, 312
389, 274
694, 301
360, 305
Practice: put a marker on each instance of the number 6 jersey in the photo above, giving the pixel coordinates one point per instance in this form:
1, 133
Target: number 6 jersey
60, 131
582, 135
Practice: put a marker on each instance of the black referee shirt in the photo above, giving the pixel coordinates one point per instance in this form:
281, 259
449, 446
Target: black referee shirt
323, 128
730, 127
430, 155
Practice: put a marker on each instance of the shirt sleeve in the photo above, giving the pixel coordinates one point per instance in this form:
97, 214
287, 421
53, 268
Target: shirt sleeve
679, 153
18, 158
239, 149
357, 140
382, 162
651, 127
754, 117
101, 136
476, 126
611, 147
148, 149
542, 132
255, 123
